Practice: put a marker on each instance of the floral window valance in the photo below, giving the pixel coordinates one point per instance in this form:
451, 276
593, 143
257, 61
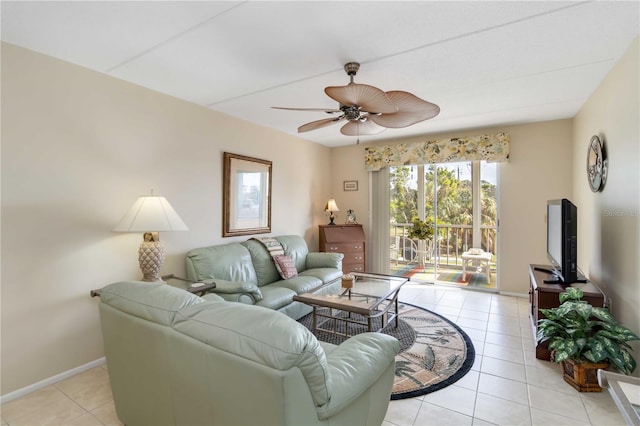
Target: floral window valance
491, 148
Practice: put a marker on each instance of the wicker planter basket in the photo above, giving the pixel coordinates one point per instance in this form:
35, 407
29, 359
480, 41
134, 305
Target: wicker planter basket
583, 376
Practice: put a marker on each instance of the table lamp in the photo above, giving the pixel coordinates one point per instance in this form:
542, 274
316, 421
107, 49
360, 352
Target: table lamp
151, 214
331, 207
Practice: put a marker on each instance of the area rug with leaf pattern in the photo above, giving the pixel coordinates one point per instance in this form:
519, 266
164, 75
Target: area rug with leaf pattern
434, 352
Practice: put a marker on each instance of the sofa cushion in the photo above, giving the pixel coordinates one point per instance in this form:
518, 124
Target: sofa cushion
263, 264
300, 284
285, 266
326, 275
296, 247
324, 260
260, 335
275, 297
231, 262
157, 302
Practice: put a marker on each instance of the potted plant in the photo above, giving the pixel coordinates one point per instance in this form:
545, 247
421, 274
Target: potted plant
421, 229
584, 339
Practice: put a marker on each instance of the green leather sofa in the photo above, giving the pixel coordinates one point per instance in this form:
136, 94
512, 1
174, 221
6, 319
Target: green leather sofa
245, 272
177, 359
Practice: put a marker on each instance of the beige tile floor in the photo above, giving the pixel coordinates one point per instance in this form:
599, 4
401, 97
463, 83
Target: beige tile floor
82, 400
506, 386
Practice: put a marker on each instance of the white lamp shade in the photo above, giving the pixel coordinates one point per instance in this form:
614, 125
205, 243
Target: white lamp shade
331, 206
151, 214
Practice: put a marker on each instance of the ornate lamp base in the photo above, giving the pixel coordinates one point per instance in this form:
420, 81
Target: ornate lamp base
151, 257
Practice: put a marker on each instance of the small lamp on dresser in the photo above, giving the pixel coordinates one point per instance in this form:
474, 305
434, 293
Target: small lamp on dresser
151, 214
331, 207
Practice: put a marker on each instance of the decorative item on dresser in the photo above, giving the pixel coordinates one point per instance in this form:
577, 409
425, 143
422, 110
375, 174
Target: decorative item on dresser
331, 207
346, 239
351, 218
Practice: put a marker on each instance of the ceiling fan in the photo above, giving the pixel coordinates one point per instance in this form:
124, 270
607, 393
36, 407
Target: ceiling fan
368, 110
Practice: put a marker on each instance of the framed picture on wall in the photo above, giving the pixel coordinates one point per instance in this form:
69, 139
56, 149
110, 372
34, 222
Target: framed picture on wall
350, 185
246, 204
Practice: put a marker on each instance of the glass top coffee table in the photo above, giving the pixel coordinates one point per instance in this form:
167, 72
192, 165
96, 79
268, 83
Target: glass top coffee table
372, 296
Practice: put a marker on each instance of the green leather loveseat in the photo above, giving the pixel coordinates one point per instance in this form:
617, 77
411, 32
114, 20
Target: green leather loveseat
177, 359
245, 272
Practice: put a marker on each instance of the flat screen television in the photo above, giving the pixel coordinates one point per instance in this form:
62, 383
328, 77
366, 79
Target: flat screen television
562, 241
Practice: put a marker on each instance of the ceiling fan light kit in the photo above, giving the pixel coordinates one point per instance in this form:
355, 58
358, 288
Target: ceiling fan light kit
369, 110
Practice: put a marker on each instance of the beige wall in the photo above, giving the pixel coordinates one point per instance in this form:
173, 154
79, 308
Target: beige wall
539, 168
78, 147
609, 229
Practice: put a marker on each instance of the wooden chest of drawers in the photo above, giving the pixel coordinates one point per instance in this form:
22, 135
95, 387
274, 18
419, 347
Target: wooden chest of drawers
348, 240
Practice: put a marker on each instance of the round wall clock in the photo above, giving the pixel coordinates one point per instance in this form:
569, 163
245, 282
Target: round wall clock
596, 164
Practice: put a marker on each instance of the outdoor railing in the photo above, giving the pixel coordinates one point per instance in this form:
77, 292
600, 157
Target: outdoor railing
452, 241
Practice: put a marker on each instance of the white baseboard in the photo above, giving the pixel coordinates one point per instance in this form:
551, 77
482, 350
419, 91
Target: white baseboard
509, 293
50, 381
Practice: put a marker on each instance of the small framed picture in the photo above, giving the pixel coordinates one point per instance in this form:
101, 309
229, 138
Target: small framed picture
350, 185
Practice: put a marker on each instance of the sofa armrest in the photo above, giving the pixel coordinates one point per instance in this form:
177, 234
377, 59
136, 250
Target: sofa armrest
355, 365
224, 288
324, 260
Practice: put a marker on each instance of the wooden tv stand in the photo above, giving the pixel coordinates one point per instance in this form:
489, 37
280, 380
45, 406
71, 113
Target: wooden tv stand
544, 296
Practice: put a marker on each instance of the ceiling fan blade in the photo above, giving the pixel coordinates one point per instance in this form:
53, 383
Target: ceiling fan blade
327, 110
369, 98
361, 128
318, 124
411, 110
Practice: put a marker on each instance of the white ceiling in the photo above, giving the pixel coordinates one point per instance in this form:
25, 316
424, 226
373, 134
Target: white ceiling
484, 63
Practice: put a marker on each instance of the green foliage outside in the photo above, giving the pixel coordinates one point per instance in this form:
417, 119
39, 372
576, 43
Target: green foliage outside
404, 200
454, 200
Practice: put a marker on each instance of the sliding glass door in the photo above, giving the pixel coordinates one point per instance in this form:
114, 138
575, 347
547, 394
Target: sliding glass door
459, 201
